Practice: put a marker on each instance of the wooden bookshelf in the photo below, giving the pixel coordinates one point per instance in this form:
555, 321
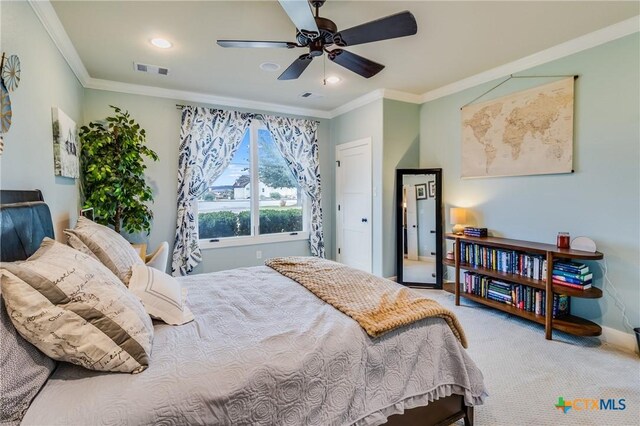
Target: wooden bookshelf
569, 324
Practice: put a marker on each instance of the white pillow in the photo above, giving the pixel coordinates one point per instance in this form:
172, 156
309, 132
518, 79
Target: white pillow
161, 295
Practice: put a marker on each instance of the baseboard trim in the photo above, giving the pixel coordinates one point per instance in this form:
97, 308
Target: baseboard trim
619, 339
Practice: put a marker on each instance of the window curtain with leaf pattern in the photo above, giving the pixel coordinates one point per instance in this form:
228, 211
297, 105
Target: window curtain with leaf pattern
297, 141
208, 140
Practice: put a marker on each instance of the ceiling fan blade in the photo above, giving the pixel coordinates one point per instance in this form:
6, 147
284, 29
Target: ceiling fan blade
296, 68
255, 43
301, 15
399, 25
355, 63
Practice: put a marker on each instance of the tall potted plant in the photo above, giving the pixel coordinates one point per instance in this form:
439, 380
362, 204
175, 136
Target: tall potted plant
112, 172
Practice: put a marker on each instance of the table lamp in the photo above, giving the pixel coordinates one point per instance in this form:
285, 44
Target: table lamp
458, 218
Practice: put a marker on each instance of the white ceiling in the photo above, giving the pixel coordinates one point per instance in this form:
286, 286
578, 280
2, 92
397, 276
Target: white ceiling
455, 40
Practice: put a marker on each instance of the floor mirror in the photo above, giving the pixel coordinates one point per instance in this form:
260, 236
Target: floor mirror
419, 236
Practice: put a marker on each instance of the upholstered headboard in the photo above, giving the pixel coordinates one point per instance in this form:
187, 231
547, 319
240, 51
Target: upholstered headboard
12, 196
23, 224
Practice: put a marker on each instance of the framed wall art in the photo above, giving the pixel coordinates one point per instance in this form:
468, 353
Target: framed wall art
66, 149
432, 189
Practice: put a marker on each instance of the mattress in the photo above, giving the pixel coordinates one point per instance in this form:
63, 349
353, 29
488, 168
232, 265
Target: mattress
263, 350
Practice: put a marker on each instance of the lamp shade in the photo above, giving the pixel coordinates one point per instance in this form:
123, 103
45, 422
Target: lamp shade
458, 215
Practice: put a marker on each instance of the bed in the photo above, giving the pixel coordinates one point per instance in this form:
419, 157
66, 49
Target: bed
262, 350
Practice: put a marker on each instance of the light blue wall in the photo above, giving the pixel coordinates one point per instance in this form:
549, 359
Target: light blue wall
393, 128
160, 118
401, 150
600, 200
360, 123
46, 81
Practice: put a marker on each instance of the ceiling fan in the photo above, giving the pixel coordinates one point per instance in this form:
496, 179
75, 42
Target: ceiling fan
317, 33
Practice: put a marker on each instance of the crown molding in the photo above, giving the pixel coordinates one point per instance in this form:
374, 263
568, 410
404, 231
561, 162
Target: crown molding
396, 95
49, 19
204, 98
587, 41
357, 103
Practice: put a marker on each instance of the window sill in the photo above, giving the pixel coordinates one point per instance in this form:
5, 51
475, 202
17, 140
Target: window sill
253, 240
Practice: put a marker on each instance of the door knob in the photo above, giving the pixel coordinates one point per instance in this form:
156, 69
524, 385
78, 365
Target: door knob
364, 219
414, 226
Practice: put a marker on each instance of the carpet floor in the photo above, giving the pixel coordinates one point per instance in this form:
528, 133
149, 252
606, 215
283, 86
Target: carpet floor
525, 374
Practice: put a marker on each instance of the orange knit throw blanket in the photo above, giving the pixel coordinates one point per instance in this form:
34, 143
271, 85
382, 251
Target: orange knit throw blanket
377, 304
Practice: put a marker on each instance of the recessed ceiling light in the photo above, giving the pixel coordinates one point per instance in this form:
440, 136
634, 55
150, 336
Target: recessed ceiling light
269, 66
161, 43
334, 79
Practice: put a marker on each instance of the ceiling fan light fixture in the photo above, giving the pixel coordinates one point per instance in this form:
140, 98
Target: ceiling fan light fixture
161, 43
333, 79
316, 34
269, 66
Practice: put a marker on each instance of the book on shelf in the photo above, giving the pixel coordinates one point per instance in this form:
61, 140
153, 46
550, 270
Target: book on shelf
571, 267
520, 296
506, 261
470, 231
560, 305
570, 285
580, 277
572, 280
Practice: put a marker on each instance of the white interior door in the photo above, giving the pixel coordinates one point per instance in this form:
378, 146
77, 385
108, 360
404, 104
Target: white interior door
412, 223
353, 197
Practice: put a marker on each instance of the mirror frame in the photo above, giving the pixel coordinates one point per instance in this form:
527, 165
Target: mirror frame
439, 226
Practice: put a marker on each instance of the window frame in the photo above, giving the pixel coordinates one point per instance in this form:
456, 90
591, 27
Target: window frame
254, 205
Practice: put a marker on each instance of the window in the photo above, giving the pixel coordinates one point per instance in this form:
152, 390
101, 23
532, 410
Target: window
256, 199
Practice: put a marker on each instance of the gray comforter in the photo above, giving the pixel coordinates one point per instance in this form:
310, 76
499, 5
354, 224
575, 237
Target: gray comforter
265, 351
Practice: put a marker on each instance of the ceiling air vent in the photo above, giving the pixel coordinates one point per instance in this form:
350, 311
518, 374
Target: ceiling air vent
310, 95
151, 69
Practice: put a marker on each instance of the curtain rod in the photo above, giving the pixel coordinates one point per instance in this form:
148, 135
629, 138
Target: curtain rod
256, 115
575, 77
180, 106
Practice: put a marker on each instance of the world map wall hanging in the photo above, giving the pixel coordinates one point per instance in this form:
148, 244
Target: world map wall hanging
525, 133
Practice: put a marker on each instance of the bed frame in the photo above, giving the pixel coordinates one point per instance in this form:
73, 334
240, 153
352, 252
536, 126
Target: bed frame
25, 220
441, 412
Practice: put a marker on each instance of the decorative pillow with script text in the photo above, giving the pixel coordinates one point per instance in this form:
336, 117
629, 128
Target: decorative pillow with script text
74, 309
